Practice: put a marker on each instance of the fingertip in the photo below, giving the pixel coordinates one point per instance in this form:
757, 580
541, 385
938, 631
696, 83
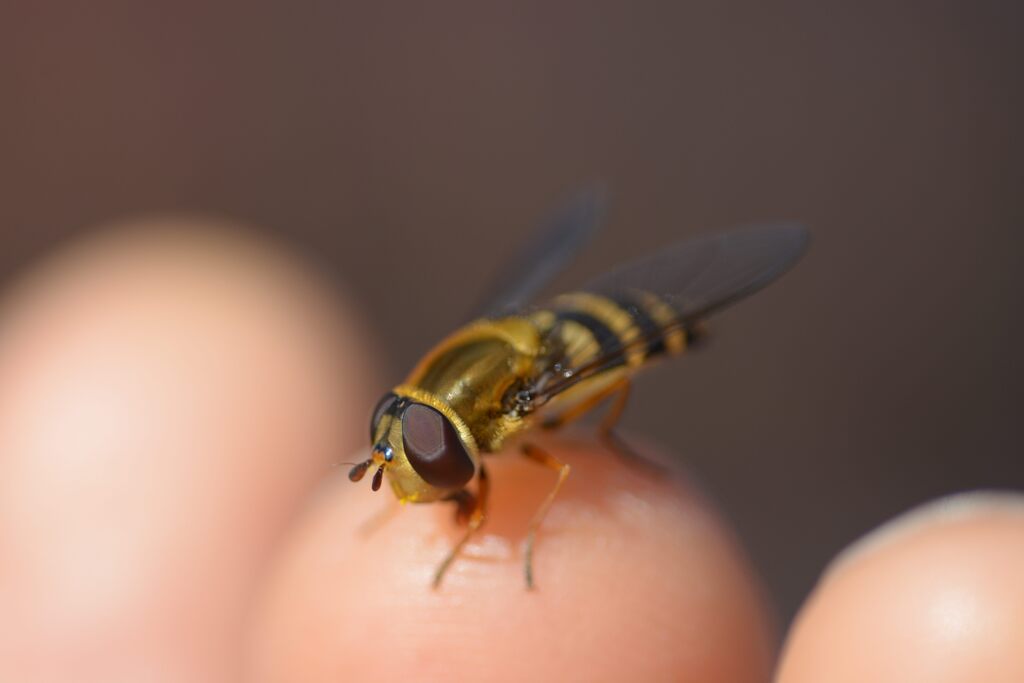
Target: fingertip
636, 577
172, 388
934, 594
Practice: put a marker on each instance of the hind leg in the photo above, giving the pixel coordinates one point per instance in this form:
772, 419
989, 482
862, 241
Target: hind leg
618, 391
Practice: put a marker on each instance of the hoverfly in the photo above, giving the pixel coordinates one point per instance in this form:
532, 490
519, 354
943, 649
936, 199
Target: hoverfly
518, 368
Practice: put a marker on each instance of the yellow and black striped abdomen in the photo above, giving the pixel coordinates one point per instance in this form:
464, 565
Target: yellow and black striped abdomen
626, 329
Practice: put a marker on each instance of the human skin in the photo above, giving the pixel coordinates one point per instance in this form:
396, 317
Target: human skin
170, 392
936, 595
176, 396
637, 578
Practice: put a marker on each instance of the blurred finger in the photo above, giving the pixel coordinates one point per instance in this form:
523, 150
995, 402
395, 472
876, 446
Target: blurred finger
936, 595
170, 391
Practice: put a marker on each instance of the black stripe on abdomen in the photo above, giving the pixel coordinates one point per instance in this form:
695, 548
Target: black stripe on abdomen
647, 326
605, 338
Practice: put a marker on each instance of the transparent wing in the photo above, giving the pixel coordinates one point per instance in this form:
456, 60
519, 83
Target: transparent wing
700, 276
547, 253
695, 278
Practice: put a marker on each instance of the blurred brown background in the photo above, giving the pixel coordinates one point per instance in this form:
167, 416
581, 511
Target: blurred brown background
411, 144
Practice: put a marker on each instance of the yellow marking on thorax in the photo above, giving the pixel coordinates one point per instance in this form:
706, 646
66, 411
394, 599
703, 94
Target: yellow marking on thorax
518, 332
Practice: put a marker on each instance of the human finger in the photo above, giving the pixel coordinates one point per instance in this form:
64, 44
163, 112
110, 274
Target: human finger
637, 578
171, 389
935, 595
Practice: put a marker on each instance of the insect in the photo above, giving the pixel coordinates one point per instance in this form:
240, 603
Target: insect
520, 368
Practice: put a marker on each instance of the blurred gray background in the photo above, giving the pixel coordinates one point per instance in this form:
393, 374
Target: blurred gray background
413, 145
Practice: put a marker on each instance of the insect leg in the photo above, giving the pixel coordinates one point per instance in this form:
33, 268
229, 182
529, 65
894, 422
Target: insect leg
611, 439
586, 405
465, 503
475, 510
606, 429
544, 458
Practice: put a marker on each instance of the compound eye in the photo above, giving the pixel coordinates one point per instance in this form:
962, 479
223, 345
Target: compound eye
383, 407
434, 449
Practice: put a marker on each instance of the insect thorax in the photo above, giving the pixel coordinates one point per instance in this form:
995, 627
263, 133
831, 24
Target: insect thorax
476, 369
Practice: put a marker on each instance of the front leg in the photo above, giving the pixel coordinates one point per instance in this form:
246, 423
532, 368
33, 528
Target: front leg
472, 509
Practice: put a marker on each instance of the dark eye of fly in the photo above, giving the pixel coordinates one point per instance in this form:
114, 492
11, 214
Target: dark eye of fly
434, 448
383, 407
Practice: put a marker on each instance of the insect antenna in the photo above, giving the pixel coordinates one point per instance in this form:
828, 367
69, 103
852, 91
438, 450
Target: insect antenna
378, 477
359, 469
